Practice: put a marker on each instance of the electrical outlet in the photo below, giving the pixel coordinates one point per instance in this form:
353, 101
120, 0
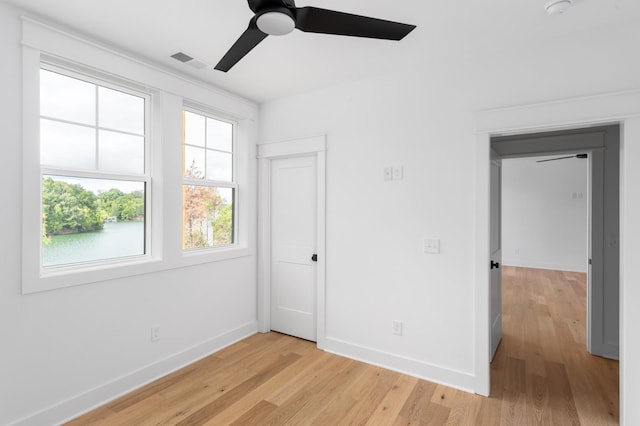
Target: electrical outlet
155, 333
397, 328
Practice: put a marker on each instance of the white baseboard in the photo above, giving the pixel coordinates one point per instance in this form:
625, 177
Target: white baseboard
455, 379
87, 401
523, 263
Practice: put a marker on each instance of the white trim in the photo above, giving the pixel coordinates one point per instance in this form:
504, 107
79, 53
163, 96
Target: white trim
66, 44
590, 110
410, 366
293, 147
73, 407
623, 107
315, 146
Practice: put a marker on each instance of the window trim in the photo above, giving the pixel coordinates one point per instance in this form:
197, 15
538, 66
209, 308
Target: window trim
169, 93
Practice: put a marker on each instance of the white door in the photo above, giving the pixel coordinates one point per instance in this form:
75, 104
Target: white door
495, 291
293, 245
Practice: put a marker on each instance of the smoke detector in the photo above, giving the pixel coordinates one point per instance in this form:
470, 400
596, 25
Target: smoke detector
556, 7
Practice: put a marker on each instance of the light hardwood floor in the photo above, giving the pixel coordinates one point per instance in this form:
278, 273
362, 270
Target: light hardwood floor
542, 374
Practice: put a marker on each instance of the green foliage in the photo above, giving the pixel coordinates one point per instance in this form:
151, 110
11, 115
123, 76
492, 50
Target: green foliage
69, 209
223, 225
124, 207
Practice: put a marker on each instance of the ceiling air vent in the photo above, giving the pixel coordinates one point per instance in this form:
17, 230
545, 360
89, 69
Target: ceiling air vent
190, 60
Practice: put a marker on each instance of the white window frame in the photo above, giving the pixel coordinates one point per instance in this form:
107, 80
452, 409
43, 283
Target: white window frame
208, 113
145, 177
169, 92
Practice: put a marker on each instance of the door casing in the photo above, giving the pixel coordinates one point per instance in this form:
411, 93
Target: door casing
617, 107
312, 146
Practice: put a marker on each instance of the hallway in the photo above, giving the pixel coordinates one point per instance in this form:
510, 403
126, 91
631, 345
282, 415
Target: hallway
542, 372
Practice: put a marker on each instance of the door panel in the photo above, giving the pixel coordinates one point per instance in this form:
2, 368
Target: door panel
293, 243
495, 303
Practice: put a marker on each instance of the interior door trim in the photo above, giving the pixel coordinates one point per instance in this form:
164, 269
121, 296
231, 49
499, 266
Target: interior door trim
602, 109
312, 146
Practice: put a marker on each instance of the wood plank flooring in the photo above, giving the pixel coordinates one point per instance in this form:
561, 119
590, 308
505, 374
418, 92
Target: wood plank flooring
541, 374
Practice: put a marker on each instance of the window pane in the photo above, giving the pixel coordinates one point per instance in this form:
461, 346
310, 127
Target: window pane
207, 216
219, 135
193, 129
219, 166
193, 162
67, 98
67, 145
119, 152
86, 219
120, 111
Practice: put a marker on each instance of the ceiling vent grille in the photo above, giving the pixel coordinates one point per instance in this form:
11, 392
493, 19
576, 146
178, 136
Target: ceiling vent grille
190, 60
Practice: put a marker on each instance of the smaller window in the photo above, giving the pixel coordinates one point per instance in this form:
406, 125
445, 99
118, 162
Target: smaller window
209, 186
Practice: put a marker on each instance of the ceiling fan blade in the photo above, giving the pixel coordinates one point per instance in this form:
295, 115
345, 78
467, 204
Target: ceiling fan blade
563, 158
315, 20
247, 41
256, 5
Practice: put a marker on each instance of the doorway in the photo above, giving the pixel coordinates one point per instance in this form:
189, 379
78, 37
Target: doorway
603, 143
291, 236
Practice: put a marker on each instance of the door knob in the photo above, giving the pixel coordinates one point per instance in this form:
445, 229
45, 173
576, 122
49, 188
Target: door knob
314, 257
495, 265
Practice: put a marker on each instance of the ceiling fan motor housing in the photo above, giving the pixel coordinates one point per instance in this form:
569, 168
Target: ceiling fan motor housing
275, 20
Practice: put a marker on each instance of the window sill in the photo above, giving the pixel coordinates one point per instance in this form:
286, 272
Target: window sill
72, 276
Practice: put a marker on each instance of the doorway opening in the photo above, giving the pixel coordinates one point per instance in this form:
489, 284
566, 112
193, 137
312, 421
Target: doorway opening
603, 145
546, 309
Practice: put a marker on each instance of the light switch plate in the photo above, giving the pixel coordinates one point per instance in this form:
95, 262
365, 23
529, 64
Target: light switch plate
398, 172
431, 245
388, 173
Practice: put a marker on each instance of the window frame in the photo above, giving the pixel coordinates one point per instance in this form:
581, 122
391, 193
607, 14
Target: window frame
233, 184
169, 92
57, 171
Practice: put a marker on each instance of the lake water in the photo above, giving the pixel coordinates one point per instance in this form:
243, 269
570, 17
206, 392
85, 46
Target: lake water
118, 239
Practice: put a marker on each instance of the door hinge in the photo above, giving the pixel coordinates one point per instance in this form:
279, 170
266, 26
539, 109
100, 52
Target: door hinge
495, 265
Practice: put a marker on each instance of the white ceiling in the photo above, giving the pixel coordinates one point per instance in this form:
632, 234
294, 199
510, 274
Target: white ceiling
282, 66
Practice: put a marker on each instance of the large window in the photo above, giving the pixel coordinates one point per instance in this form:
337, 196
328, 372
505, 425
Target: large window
93, 169
209, 185
127, 169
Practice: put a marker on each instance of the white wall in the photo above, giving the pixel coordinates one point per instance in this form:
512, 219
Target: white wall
64, 351
423, 120
60, 344
544, 213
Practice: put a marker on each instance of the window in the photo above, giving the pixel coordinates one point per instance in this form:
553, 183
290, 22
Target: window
93, 169
105, 194
209, 187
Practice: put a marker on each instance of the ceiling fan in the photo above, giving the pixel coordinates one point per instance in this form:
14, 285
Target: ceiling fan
564, 158
279, 17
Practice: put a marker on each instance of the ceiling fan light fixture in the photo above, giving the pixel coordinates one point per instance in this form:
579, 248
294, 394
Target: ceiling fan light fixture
275, 23
556, 7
